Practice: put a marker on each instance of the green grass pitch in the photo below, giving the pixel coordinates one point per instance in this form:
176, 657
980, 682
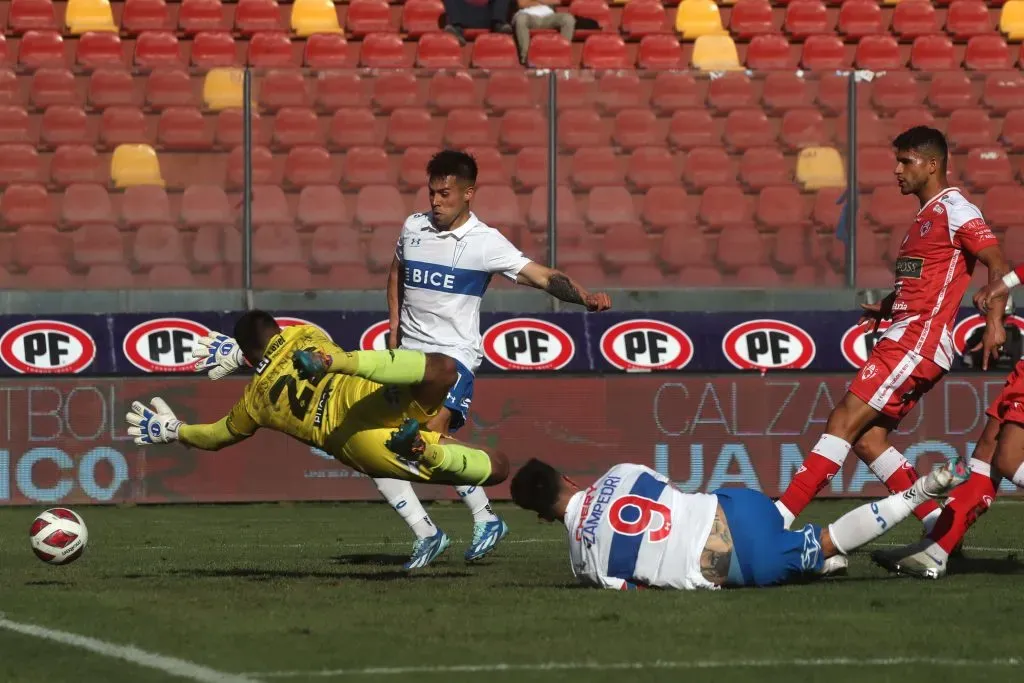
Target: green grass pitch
316, 592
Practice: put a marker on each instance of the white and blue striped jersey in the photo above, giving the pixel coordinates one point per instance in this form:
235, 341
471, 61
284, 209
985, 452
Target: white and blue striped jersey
446, 275
633, 528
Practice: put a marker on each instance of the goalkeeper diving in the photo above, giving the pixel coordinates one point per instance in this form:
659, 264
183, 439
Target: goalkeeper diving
365, 408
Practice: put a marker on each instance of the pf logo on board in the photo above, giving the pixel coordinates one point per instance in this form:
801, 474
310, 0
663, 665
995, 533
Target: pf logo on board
375, 338
969, 325
859, 340
646, 345
164, 344
528, 344
47, 347
767, 344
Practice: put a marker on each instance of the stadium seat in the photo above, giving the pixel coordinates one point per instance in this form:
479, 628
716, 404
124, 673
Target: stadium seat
228, 129
637, 128
764, 166
499, 204
806, 18
452, 90
783, 91
296, 126
1003, 91
581, 128
99, 244
385, 51
715, 53
695, 18
409, 127
693, 128
438, 51
494, 51
182, 128
490, 166
52, 87
159, 245
739, 246
142, 204
674, 90
23, 204
271, 50
112, 87
333, 245
668, 208
969, 128
604, 51
414, 160
368, 16
202, 15
751, 18
222, 89
625, 247
950, 91
802, 128
336, 90
379, 205
908, 118
1002, 206
595, 167
86, 203
123, 125
282, 88
987, 53
39, 49
216, 245
879, 53
41, 245
966, 18
422, 16
888, 208
746, 128
609, 206
203, 205
824, 52
212, 49
323, 205
468, 127
145, 15
874, 166
731, 91
818, 167
135, 165
269, 206
395, 89
327, 51
933, 53
63, 125
595, 10
619, 90
31, 15
1012, 135
523, 128
858, 18
825, 211
684, 248
643, 17
89, 15
897, 90
770, 52
659, 53
987, 167
567, 217
913, 19
708, 166
576, 91
311, 165
76, 164
14, 125
352, 127
652, 166
97, 50
1011, 20
781, 207
158, 49
531, 168
310, 17
723, 206
549, 51
252, 16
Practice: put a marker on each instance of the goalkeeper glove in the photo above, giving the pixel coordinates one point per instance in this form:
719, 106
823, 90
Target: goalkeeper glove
311, 365
152, 425
219, 354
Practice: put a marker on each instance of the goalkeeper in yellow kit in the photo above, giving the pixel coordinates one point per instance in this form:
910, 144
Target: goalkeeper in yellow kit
365, 407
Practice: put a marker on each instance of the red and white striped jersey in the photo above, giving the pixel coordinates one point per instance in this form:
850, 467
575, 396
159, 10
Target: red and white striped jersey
933, 270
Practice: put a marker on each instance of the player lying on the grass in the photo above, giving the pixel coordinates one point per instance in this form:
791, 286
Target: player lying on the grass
346, 403
633, 529
999, 453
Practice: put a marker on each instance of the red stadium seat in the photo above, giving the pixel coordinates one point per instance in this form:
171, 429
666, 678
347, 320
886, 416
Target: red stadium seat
156, 49
1002, 206
604, 51
523, 128
145, 15
212, 49
42, 49
205, 205
422, 16
751, 18
494, 51
41, 245
769, 52
652, 166
509, 89
20, 163
597, 166
368, 16
988, 53
637, 128
216, 245
784, 90
626, 245
84, 204
25, 204
77, 164
379, 205
677, 90
296, 126
933, 53
764, 166
724, 206
228, 129
567, 218
739, 246
269, 206
490, 167
731, 91
156, 245
859, 18
949, 91
908, 118
581, 128
824, 53
252, 16
617, 90
310, 165
202, 15
875, 166
414, 160
792, 250
780, 207
142, 204
888, 208
51, 87
659, 53
913, 19
1012, 135
531, 168
123, 125
708, 166
693, 128
1003, 91
14, 125
438, 51
283, 88
805, 18
966, 18
684, 248
834, 92
499, 204
327, 51
385, 51
413, 128
644, 17
168, 88
468, 127
353, 127
825, 213
746, 128
550, 51
803, 128
99, 49
986, 167
668, 208
871, 130
340, 90
270, 50
63, 125
333, 245
608, 206
29, 15
183, 128
323, 205
98, 245
452, 90
897, 90
395, 89
879, 53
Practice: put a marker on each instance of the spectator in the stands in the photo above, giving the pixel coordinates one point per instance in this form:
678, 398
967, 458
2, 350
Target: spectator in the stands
539, 14
485, 14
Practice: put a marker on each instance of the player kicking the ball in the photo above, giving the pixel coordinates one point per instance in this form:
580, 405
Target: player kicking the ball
933, 270
365, 408
999, 453
633, 529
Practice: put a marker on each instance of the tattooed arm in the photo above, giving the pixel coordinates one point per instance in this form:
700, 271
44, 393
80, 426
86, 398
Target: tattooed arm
562, 287
717, 554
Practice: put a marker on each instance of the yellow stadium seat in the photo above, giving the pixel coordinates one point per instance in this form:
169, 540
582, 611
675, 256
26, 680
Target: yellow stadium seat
314, 16
89, 15
135, 165
222, 88
819, 167
715, 53
1011, 20
696, 18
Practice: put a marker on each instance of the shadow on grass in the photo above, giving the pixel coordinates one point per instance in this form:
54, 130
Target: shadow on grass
259, 575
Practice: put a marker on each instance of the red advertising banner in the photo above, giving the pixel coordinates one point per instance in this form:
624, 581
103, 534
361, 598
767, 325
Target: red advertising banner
64, 440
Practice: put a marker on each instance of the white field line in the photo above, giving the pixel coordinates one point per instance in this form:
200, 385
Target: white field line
181, 668
657, 664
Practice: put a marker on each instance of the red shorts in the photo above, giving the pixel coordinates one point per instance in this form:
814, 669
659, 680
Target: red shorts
1009, 405
894, 379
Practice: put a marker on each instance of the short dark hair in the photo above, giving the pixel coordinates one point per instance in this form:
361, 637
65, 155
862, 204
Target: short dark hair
451, 162
536, 487
923, 138
251, 332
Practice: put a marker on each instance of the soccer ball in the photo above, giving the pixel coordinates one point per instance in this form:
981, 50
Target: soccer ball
58, 536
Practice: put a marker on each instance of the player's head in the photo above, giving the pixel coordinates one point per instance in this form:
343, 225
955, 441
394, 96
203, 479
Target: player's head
921, 154
451, 180
539, 487
253, 332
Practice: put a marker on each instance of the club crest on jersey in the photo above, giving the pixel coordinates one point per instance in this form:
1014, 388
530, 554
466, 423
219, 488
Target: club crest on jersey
925, 228
869, 371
